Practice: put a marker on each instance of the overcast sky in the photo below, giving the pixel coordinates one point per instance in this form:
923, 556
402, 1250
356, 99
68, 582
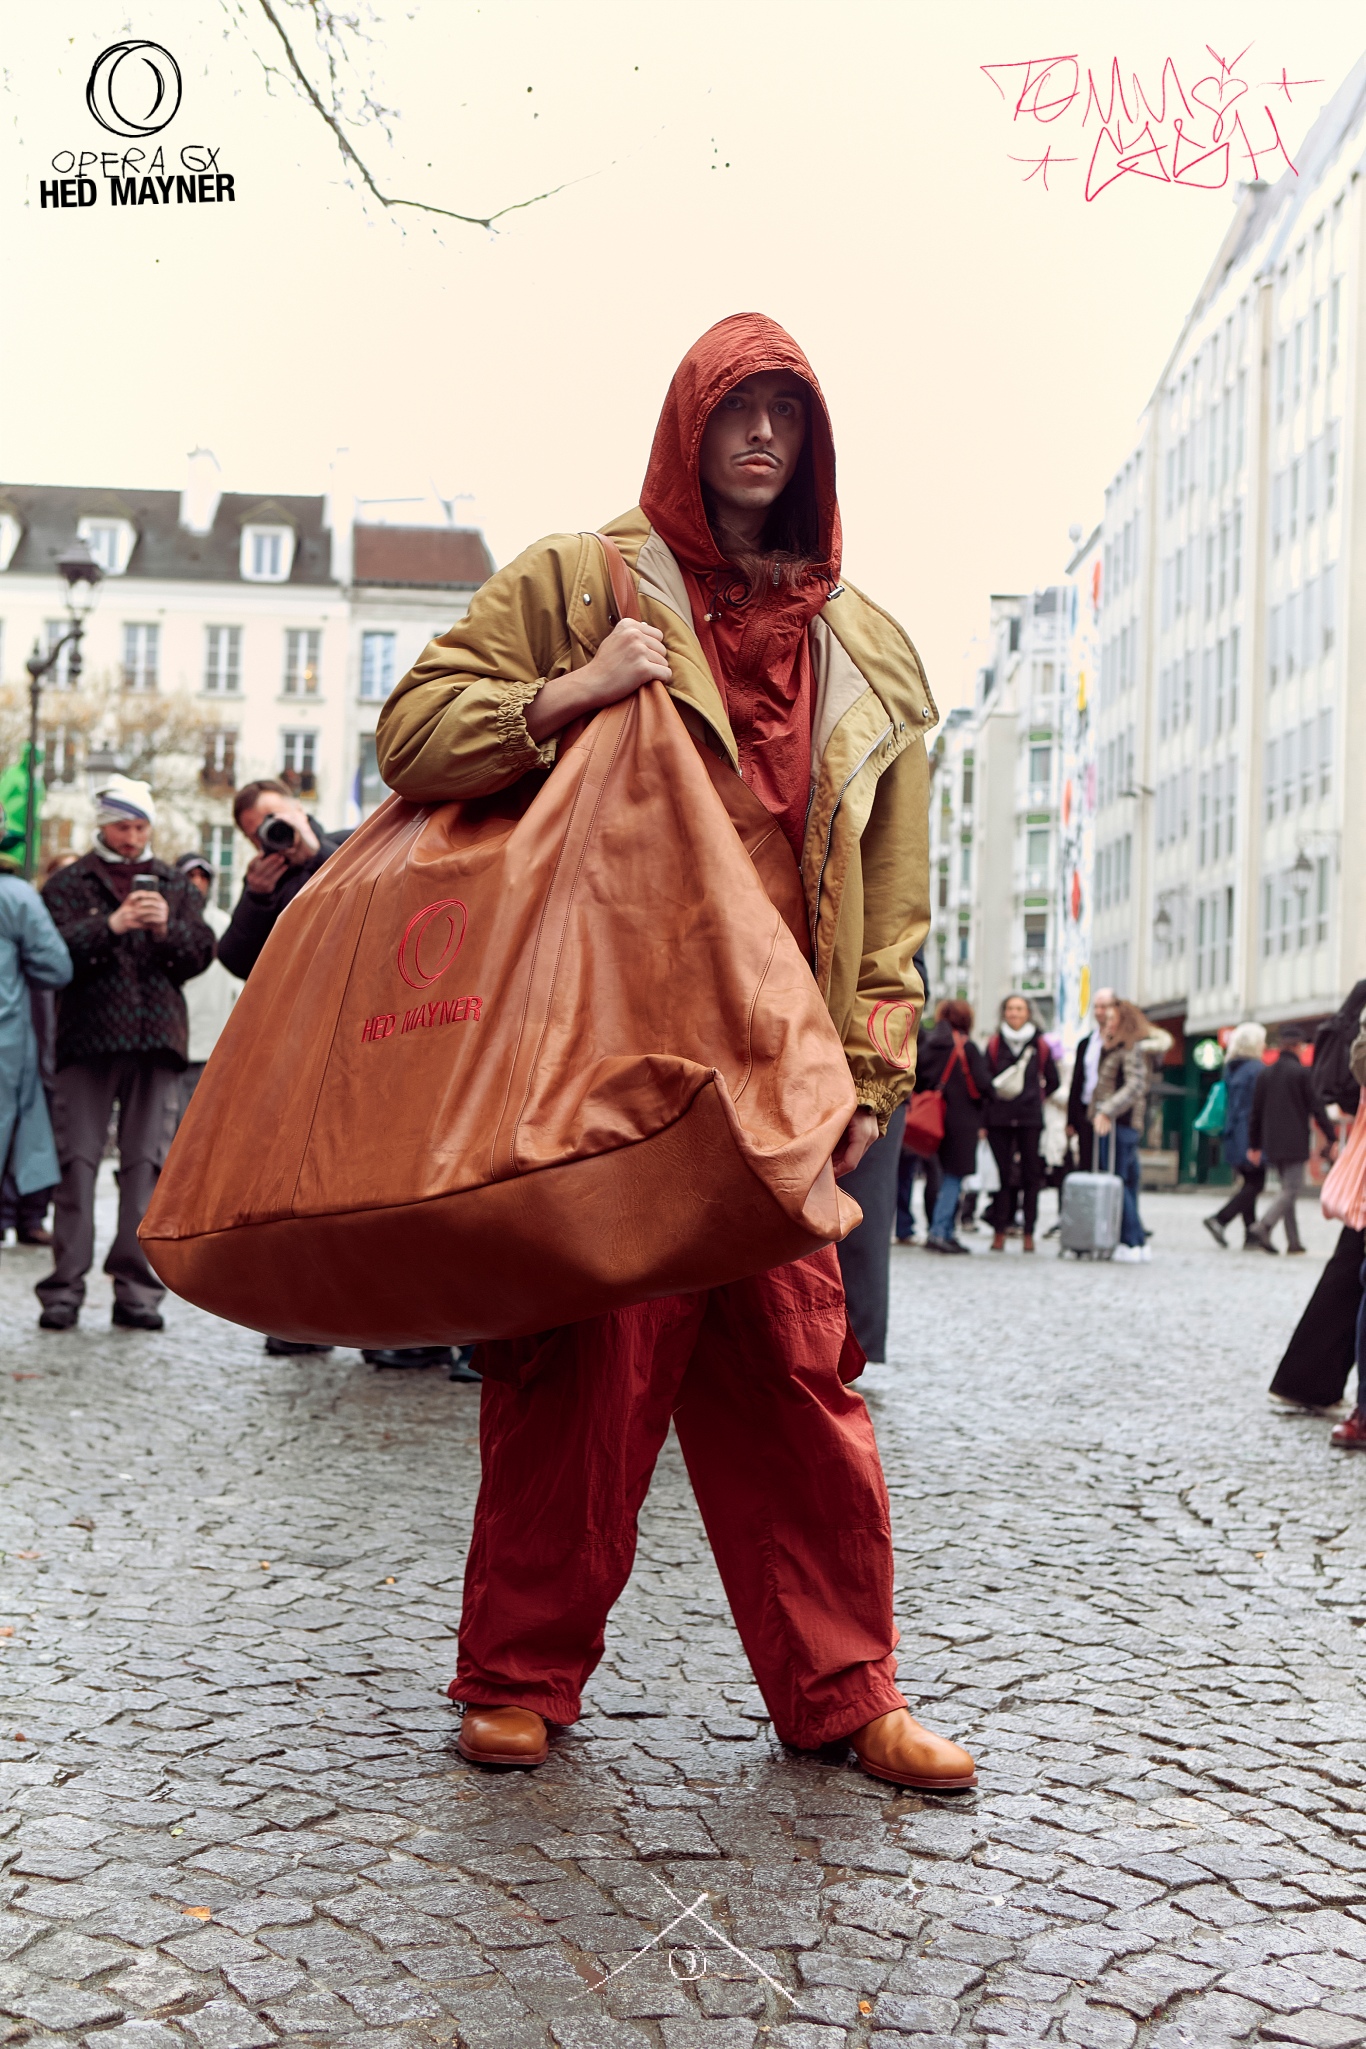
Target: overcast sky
986, 346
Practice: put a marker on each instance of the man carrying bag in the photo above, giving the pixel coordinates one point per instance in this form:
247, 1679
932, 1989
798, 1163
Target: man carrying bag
816, 698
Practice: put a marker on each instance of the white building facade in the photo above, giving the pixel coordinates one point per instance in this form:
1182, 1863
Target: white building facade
274, 627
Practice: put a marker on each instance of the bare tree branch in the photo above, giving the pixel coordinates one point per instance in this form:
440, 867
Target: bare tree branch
332, 28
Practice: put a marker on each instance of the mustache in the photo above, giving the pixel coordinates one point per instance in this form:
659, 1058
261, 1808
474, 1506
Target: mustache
759, 455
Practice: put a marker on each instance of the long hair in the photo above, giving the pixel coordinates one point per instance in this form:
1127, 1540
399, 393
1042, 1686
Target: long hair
1018, 996
1128, 1024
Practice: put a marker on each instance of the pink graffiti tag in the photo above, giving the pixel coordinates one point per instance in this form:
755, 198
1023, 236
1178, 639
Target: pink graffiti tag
1171, 135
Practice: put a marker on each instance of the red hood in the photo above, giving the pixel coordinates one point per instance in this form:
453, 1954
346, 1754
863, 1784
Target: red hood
671, 497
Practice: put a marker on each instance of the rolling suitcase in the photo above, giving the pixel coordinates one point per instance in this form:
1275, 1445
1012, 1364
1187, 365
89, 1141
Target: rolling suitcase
1090, 1212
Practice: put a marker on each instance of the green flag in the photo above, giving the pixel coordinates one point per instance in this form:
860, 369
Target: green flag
14, 805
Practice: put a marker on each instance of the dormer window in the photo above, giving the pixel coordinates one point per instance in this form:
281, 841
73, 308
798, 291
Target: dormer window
110, 541
267, 554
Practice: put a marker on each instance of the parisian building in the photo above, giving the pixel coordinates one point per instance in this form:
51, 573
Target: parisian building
264, 632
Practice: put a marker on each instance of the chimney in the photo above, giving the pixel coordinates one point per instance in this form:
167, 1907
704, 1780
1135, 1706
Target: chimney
339, 514
203, 489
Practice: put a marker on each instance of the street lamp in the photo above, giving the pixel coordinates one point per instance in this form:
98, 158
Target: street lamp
82, 574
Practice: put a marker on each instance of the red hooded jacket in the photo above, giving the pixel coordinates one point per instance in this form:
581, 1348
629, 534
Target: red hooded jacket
755, 641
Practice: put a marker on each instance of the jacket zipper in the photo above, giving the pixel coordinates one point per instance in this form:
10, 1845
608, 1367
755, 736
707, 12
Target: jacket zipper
860, 764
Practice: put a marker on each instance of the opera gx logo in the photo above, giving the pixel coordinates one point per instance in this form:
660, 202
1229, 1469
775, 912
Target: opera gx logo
134, 88
134, 91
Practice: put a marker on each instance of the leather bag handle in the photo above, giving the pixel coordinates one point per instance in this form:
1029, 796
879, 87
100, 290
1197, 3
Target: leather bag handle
625, 596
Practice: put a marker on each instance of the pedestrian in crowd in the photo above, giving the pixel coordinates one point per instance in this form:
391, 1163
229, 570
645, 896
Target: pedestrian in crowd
209, 997
34, 962
1085, 1069
1285, 1104
815, 696
1121, 1097
913, 1167
1022, 1072
1244, 1064
1350, 1434
25, 1212
951, 1063
136, 934
1315, 1366
291, 846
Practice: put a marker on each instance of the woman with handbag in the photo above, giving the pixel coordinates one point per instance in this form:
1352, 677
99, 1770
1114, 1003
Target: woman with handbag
953, 1084
1022, 1072
1245, 1050
809, 705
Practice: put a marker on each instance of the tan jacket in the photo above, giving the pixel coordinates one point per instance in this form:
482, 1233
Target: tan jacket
456, 727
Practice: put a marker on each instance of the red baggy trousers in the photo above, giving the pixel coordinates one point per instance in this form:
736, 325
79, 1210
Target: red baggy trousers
782, 1460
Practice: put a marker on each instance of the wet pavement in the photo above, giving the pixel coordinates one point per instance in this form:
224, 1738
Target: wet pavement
232, 1812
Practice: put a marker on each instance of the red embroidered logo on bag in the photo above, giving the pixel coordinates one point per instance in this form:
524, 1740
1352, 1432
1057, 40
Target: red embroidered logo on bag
891, 1027
431, 940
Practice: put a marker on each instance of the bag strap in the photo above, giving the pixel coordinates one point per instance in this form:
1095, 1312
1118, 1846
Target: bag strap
960, 1053
625, 595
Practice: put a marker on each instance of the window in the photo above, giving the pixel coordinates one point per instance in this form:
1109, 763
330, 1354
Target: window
1277, 512
1271, 746
222, 659
1188, 690
1325, 753
1330, 467
943, 891
1294, 499
376, 664
110, 541
1203, 855
61, 677
1185, 803
1309, 650
1036, 856
1268, 919
1315, 341
267, 554
370, 786
1334, 311
1321, 901
61, 754
1273, 645
302, 644
1328, 608
1233, 647
220, 757
1297, 359
1239, 442
962, 946
1040, 768
1308, 766
1290, 616
216, 843
965, 865
1223, 564
967, 782
1311, 484
1237, 550
1280, 382
141, 651
1035, 939
299, 760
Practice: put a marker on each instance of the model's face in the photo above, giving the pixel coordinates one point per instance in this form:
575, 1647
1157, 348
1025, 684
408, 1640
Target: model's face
751, 443
127, 837
1017, 1013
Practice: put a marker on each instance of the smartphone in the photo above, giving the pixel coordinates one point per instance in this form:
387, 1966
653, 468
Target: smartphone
147, 882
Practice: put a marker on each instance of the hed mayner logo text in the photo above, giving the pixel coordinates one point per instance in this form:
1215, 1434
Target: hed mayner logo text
134, 90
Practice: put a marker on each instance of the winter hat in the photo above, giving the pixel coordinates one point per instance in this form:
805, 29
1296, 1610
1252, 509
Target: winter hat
122, 798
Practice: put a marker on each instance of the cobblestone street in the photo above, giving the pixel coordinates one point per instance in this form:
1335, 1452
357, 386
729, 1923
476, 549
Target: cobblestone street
233, 1812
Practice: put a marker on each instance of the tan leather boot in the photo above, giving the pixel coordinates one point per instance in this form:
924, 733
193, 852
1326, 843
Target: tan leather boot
503, 1735
896, 1748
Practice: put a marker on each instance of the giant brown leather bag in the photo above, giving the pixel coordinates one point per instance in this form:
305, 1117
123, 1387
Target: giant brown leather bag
508, 1063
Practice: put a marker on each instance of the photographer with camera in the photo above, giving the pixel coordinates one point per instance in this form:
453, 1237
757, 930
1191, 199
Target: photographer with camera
135, 932
290, 848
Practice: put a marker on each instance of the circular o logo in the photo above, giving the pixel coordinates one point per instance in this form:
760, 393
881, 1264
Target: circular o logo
431, 940
891, 1027
134, 88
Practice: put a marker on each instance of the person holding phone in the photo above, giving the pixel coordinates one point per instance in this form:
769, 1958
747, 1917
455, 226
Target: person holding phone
136, 933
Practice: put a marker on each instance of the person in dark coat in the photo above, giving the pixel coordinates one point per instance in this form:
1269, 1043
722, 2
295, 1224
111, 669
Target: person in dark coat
1284, 1104
1023, 1072
1085, 1069
949, 1061
1245, 1051
1314, 1368
135, 932
277, 874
